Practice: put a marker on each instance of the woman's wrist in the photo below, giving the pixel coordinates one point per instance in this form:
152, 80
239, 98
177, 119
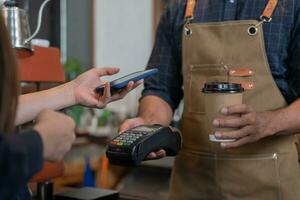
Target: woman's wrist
66, 94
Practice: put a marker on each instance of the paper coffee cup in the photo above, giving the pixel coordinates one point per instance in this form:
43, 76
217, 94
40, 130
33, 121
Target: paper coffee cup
217, 96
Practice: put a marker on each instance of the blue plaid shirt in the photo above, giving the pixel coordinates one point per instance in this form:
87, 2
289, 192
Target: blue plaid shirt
282, 41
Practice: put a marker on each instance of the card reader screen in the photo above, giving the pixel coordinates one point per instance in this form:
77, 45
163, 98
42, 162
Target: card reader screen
143, 128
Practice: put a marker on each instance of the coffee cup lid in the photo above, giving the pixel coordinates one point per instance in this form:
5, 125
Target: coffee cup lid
222, 87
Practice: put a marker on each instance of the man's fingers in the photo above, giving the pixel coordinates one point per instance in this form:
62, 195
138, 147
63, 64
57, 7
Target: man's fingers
238, 143
124, 127
161, 153
130, 123
156, 155
237, 109
106, 71
151, 156
236, 134
232, 122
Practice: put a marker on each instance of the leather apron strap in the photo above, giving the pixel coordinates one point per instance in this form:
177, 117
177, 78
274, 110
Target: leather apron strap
190, 7
268, 12
266, 16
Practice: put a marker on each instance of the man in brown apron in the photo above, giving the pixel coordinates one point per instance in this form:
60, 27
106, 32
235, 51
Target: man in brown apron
259, 166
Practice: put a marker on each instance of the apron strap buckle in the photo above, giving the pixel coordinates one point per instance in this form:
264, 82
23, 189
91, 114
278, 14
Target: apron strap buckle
188, 20
265, 19
188, 31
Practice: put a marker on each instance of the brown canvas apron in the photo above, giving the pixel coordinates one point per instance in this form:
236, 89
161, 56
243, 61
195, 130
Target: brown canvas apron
266, 170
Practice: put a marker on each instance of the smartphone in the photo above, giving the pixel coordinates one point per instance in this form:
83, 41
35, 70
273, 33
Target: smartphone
121, 83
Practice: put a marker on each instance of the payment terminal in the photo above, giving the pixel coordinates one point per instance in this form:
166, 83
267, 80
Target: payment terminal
131, 147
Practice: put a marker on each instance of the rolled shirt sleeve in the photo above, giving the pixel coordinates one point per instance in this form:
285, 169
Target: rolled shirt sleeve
166, 56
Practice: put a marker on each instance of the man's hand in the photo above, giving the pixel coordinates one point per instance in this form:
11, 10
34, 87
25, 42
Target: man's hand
84, 88
57, 132
250, 125
131, 123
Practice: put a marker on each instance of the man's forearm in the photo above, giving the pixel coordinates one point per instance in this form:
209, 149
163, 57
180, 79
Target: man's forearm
30, 105
155, 111
287, 121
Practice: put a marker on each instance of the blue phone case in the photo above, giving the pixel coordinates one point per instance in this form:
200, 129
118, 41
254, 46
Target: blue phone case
122, 82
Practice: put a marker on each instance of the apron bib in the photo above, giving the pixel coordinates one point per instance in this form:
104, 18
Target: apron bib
231, 51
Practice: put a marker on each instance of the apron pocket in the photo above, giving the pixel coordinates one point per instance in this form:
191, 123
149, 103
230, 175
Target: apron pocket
206, 176
248, 176
198, 76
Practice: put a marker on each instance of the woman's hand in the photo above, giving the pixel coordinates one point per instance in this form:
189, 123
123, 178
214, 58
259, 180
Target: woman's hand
84, 88
250, 125
57, 132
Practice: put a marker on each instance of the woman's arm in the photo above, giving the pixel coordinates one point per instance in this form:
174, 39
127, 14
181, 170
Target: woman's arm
78, 91
30, 105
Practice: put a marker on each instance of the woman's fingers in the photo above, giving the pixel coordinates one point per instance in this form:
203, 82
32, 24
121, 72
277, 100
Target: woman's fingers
131, 85
105, 71
138, 83
105, 97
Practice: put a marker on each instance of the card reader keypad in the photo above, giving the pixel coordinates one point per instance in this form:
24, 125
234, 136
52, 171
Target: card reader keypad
127, 138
